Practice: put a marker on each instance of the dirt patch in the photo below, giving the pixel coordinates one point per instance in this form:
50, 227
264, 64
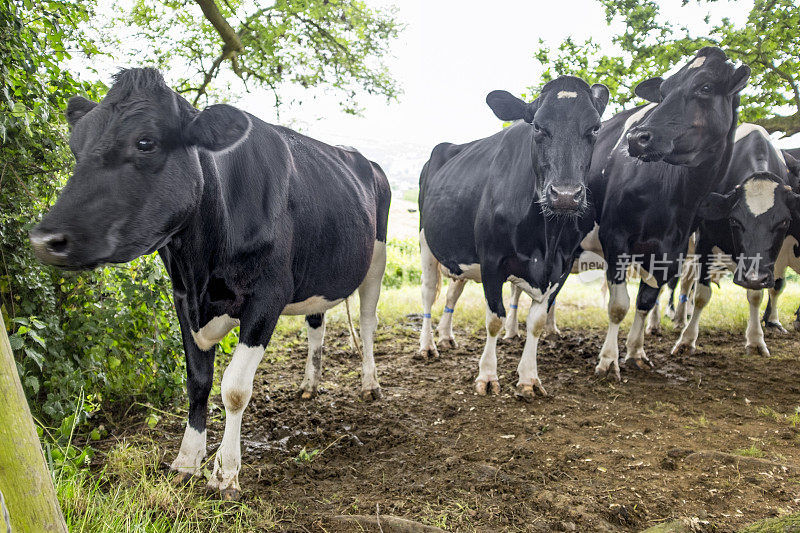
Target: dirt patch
596, 455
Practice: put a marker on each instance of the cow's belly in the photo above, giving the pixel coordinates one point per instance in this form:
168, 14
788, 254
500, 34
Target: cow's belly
471, 272
311, 306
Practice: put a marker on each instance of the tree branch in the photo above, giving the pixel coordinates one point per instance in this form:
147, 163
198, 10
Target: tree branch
787, 124
229, 36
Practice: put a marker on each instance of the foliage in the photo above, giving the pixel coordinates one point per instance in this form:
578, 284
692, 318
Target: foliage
650, 45
402, 263
335, 43
112, 332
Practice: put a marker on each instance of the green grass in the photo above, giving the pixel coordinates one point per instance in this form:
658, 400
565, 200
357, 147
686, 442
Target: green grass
130, 494
752, 451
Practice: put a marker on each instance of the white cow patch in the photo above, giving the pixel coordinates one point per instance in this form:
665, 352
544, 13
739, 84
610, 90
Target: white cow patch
471, 272
759, 195
698, 62
633, 120
311, 306
193, 450
746, 129
567, 94
214, 331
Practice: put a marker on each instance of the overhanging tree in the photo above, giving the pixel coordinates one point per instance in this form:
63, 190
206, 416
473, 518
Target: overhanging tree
339, 44
769, 41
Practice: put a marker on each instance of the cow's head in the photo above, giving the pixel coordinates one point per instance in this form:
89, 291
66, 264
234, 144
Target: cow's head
696, 111
565, 119
759, 212
137, 175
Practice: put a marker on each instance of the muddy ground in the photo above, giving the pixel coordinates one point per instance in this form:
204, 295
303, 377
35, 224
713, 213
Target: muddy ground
595, 455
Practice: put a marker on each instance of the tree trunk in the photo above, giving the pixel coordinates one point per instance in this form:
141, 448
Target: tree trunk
24, 478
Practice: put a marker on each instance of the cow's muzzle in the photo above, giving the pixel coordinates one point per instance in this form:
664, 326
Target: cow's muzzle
50, 248
641, 144
566, 199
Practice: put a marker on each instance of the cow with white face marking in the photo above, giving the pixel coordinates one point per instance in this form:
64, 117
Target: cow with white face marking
789, 256
251, 220
651, 168
745, 221
511, 207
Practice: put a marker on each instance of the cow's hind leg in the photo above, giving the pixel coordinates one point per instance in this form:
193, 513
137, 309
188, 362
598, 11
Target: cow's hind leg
368, 293
315, 324
654, 318
445, 327
645, 302
200, 374
512, 322
431, 281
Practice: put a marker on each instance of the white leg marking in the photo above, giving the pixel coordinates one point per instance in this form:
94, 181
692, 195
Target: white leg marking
755, 335
193, 450
313, 375
687, 342
512, 322
214, 331
550, 327
431, 277
237, 387
618, 303
527, 368
635, 342
445, 327
487, 368
368, 293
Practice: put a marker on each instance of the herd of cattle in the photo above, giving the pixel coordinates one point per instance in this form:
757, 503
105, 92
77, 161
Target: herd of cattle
253, 221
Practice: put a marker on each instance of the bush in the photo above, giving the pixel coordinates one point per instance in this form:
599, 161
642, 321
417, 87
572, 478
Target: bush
402, 263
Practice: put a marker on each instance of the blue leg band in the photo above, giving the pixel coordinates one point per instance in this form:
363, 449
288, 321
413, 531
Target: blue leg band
683, 298
426, 315
448, 310
512, 306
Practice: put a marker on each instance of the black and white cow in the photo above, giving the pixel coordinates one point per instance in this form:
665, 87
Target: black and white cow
251, 220
510, 207
788, 257
745, 220
651, 168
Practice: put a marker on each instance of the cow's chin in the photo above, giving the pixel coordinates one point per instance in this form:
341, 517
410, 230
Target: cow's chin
550, 211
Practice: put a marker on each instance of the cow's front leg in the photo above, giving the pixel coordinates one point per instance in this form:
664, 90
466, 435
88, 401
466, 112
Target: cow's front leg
645, 303
527, 369
618, 303
199, 374
771, 319
445, 327
755, 335
487, 380
512, 322
550, 327
315, 325
369, 292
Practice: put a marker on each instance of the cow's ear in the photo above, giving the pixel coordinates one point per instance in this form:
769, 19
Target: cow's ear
508, 107
601, 95
739, 79
77, 107
792, 164
716, 206
217, 127
650, 90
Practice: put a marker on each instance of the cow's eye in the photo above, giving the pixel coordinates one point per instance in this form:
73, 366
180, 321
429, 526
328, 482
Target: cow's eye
145, 145
707, 88
537, 128
595, 130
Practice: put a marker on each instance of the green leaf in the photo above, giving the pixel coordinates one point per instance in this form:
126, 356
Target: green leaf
36, 356
16, 342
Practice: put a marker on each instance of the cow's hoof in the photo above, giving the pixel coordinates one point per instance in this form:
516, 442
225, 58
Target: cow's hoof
306, 394
181, 478
427, 353
641, 362
491, 387
757, 349
371, 394
511, 335
447, 344
526, 393
551, 332
683, 349
776, 327
655, 330
603, 367
230, 495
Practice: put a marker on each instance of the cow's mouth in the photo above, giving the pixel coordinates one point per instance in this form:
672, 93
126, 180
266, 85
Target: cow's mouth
650, 157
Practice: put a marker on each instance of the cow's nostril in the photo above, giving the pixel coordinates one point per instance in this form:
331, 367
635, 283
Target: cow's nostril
644, 137
57, 244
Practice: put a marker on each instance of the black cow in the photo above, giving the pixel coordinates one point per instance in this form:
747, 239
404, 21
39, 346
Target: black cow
509, 207
251, 220
651, 168
745, 223
788, 257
